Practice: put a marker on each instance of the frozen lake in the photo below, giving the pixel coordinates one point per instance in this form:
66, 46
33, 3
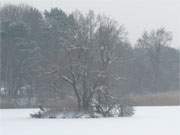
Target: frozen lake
146, 121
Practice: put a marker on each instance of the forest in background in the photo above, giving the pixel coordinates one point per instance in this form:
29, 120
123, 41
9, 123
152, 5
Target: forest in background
54, 58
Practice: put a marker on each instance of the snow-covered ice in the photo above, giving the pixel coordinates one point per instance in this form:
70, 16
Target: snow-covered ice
146, 121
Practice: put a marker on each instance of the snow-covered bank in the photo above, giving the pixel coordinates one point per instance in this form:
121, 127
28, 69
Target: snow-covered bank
146, 121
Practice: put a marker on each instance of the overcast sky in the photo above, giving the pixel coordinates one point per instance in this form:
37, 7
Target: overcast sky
136, 15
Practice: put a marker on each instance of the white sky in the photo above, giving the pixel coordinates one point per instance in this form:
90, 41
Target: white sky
136, 15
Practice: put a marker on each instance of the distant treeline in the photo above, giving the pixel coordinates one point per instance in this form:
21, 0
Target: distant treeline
57, 55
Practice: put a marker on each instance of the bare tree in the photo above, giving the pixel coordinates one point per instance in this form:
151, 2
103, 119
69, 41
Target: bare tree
110, 37
153, 42
79, 56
